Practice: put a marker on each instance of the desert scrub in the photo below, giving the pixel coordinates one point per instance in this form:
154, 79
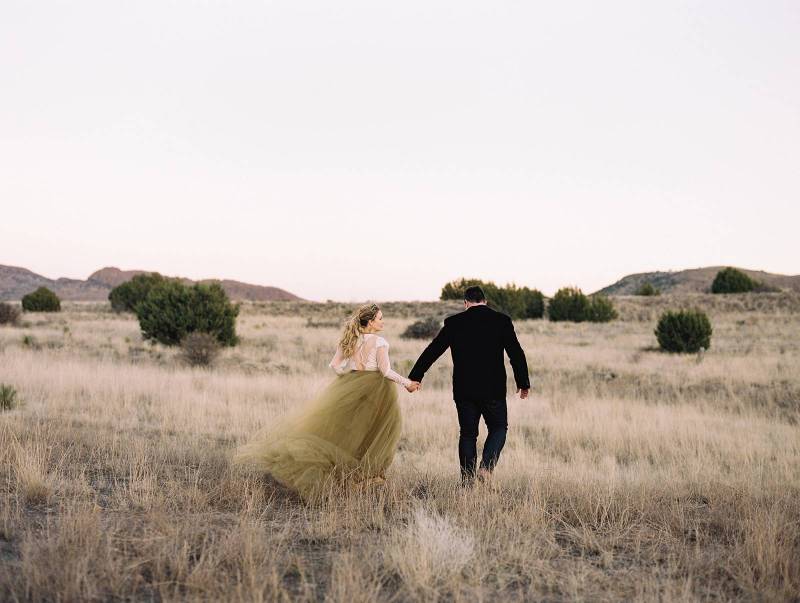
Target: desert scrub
568, 304
731, 280
423, 329
684, 331
172, 310
9, 314
41, 300
128, 295
517, 302
199, 349
647, 289
601, 309
8, 397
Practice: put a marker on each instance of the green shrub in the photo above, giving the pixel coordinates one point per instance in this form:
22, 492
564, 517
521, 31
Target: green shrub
41, 300
647, 289
199, 349
126, 296
731, 280
517, 302
455, 289
427, 328
532, 303
569, 303
683, 331
8, 397
601, 309
9, 314
172, 310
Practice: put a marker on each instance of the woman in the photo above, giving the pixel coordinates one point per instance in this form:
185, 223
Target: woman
350, 430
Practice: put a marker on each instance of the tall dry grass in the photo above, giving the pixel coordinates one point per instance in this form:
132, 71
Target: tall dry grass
629, 474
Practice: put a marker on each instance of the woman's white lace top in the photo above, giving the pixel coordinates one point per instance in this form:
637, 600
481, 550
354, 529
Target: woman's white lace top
371, 354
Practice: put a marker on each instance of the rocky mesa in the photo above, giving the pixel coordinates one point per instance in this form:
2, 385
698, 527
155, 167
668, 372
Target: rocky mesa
694, 280
15, 282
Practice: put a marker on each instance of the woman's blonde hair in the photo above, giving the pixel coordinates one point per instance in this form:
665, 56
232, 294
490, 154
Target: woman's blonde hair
354, 326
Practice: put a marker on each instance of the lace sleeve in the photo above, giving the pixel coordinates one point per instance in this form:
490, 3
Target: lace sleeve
338, 360
385, 366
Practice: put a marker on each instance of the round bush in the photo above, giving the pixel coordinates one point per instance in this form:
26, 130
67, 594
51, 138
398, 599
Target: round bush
126, 296
731, 280
41, 300
601, 309
9, 315
569, 303
647, 289
172, 310
426, 328
683, 331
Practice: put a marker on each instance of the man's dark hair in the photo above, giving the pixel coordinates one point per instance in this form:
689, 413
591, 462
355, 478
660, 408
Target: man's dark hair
474, 295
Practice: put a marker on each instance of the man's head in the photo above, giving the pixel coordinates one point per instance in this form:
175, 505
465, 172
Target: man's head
473, 296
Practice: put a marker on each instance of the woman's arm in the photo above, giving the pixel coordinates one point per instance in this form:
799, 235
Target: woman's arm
386, 368
336, 363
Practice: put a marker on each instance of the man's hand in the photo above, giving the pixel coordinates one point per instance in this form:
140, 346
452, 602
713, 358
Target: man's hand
413, 386
523, 393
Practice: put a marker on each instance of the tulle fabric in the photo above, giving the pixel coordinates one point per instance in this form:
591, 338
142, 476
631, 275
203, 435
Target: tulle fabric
348, 432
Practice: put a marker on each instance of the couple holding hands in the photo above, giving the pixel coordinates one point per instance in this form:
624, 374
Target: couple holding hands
351, 429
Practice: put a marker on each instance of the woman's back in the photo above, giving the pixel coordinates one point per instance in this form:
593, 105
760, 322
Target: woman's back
371, 354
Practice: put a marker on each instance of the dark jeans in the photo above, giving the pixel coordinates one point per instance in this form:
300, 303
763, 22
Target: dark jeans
495, 415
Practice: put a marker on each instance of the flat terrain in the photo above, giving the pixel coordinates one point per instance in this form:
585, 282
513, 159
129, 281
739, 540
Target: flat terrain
630, 474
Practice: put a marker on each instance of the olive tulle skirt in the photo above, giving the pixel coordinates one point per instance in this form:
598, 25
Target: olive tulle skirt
348, 432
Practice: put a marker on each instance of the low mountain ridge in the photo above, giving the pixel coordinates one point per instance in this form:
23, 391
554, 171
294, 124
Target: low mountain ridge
15, 282
694, 280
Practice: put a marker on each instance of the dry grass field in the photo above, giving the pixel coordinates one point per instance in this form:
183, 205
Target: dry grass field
628, 475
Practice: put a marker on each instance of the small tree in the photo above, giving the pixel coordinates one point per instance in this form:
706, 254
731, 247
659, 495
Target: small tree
647, 289
423, 329
172, 310
683, 331
126, 296
517, 302
507, 300
455, 289
532, 303
41, 300
731, 280
569, 303
601, 309
9, 315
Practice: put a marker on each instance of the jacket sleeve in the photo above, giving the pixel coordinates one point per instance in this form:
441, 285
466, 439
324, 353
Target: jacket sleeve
517, 357
435, 349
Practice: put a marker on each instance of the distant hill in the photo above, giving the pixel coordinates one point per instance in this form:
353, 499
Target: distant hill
15, 282
695, 280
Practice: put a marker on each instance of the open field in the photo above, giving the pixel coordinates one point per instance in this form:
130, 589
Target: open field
630, 474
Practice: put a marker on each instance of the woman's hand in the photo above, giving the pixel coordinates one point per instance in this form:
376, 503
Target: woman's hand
413, 386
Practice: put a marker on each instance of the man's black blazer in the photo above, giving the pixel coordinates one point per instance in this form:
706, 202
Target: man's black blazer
476, 338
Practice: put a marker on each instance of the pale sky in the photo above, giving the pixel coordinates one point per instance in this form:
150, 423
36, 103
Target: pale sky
375, 150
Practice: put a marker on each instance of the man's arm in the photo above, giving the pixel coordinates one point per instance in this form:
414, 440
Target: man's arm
435, 349
517, 357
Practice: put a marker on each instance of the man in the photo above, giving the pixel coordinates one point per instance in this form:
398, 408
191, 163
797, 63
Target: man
476, 338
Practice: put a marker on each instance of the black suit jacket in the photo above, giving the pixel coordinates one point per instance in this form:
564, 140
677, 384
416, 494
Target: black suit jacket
476, 338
